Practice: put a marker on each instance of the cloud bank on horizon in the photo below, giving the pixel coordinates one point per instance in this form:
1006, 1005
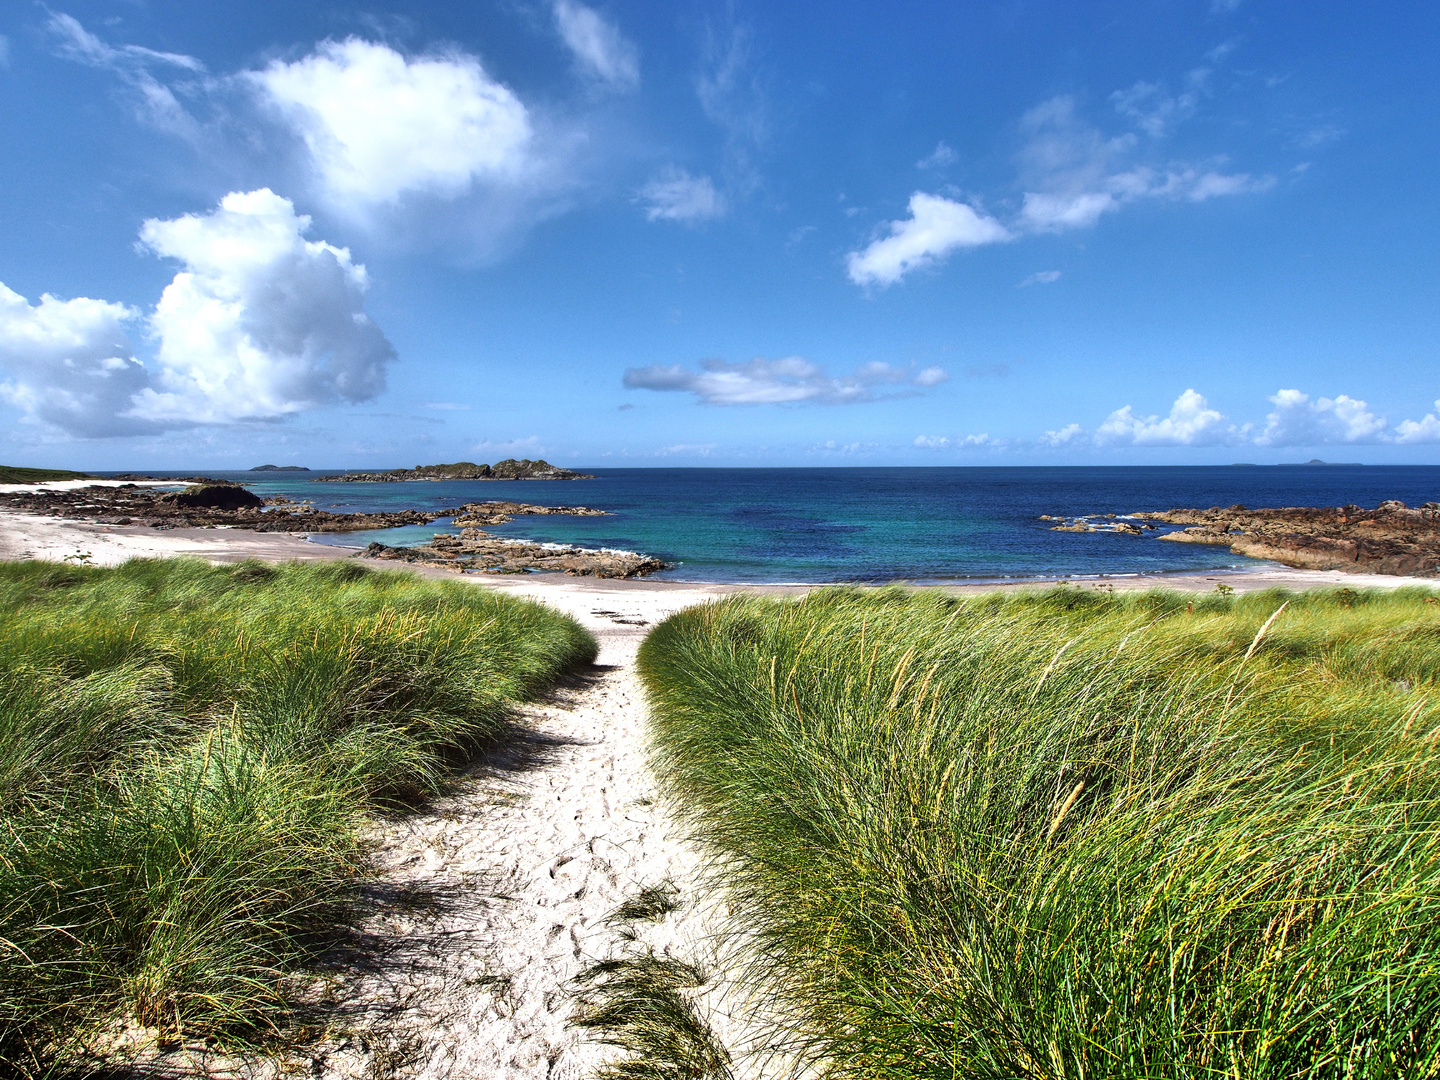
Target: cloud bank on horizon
542, 196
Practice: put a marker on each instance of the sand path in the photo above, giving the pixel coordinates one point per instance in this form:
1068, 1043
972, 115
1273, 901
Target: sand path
491, 901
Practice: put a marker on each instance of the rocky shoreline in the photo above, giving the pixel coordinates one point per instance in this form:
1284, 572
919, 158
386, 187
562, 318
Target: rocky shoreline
509, 469
1392, 539
223, 505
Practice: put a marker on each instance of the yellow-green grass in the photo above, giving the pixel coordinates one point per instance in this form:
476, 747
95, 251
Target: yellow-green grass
187, 756
1068, 835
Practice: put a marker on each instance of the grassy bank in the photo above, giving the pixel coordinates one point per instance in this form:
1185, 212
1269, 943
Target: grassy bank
19, 474
187, 754
1074, 835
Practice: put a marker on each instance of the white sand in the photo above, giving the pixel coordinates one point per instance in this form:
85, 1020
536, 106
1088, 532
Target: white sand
486, 905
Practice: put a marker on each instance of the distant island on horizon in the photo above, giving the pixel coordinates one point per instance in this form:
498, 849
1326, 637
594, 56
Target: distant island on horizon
509, 469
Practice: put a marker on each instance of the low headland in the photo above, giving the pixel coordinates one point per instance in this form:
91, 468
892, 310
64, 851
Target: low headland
17, 474
1391, 539
509, 469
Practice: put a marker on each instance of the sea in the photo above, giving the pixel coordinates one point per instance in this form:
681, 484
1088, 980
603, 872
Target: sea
828, 525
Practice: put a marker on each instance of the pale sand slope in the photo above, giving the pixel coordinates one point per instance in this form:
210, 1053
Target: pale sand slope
487, 904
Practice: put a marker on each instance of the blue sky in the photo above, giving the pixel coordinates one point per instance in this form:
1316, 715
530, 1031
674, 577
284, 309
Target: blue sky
630, 233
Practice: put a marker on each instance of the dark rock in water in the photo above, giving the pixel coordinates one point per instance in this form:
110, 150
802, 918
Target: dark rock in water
279, 468
216, 497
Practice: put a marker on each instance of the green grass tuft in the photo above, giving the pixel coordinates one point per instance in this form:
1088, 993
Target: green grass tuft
1062, 834
187, 755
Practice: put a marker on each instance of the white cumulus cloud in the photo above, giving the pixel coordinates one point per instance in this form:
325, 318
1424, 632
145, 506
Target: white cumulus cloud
675, 195
601, 52
70, 362
1191, 423
1298, 421
1070, 433
1426, 430
936, 227
259, 323
789, 380
940, 442
380, 125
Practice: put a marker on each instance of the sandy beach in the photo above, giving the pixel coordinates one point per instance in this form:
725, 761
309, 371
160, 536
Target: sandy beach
486, 905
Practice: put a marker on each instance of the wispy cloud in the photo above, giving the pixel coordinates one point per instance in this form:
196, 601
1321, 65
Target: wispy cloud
601, 52
732, 93
940, 158
787, 381
1153, 110
155, 102
675, 195
936, 227
1042, 277
1070, 174
1074, 174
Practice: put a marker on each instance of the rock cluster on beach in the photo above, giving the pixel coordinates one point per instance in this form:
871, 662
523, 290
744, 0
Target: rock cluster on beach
1391, 539
476, 551
509, 469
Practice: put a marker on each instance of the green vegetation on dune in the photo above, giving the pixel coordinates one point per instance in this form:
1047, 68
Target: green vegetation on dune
1069, 835
187, 755
16, 474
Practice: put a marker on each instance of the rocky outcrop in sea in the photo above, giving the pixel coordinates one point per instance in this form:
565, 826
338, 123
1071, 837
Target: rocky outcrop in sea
1391, 539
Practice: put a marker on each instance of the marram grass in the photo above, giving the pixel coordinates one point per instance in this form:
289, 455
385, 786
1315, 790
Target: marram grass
187, 754
1066, 835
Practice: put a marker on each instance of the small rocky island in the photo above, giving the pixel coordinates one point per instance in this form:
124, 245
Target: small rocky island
509, 469
279, 468
1391, 539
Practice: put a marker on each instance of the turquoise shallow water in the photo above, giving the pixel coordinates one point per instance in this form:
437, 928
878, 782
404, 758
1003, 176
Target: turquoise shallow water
874, 524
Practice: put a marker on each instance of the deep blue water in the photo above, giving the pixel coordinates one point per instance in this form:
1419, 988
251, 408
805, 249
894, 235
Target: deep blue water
875, 524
